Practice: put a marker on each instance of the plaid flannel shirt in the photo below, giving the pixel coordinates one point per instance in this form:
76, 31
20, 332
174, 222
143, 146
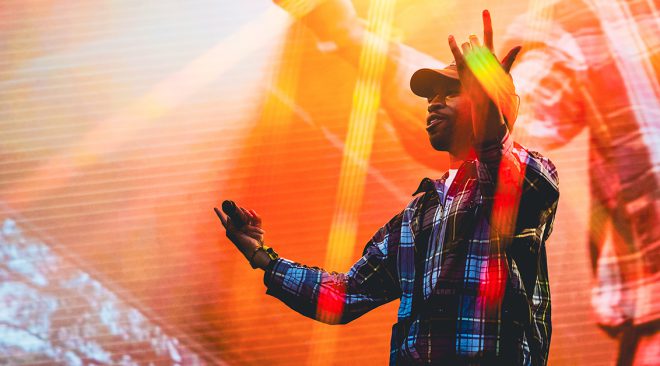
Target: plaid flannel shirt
437, 255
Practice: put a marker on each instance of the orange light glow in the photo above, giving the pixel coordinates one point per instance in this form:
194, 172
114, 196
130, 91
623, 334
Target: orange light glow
357, 152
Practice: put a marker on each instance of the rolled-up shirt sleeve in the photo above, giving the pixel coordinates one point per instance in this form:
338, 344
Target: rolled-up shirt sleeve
338, 298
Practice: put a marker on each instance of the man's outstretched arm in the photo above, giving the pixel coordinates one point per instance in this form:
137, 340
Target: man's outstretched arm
329, 297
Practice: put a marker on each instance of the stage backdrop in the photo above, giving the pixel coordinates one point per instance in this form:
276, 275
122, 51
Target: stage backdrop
124, 123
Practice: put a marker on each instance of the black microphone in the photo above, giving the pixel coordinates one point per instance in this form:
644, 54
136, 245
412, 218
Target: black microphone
230, 208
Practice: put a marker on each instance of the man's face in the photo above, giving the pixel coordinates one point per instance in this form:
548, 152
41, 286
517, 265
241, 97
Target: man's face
449, 122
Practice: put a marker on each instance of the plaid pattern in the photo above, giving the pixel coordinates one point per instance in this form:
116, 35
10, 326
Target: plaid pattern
594, 64
437, 255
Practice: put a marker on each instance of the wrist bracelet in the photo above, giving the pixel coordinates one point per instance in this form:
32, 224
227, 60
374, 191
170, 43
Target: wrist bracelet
253, 254
268, 250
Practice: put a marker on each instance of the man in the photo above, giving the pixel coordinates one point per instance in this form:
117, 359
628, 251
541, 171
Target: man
576, 53
466, 257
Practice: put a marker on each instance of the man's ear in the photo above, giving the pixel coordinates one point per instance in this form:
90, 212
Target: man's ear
510, 57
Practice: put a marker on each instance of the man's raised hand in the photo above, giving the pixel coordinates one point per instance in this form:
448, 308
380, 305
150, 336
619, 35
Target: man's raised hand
486, 81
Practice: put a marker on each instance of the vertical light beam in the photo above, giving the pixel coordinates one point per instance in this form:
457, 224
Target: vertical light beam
359, 140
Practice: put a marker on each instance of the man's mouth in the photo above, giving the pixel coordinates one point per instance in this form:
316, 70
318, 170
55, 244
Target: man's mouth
433, 120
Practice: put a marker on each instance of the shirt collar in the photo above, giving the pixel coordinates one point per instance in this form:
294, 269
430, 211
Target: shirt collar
428, 184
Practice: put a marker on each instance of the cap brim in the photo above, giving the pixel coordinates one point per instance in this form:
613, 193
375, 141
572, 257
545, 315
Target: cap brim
424, 82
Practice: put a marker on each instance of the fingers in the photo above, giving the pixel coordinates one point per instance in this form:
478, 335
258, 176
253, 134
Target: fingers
253, 230
256, 218
458, 56
474, 41
488, 30
466, 48
251, 216
245, 215
510, 57
223, 220
252, 220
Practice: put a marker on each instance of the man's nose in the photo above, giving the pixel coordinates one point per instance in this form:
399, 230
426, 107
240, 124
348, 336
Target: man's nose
435, 104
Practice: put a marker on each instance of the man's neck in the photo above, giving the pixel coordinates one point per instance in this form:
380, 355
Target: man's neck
455, 161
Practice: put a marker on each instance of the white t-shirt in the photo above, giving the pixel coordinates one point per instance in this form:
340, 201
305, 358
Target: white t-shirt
449, 180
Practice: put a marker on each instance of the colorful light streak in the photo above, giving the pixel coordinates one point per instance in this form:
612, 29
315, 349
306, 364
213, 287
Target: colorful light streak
359, 141
505, 208
495, 81
499, 87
